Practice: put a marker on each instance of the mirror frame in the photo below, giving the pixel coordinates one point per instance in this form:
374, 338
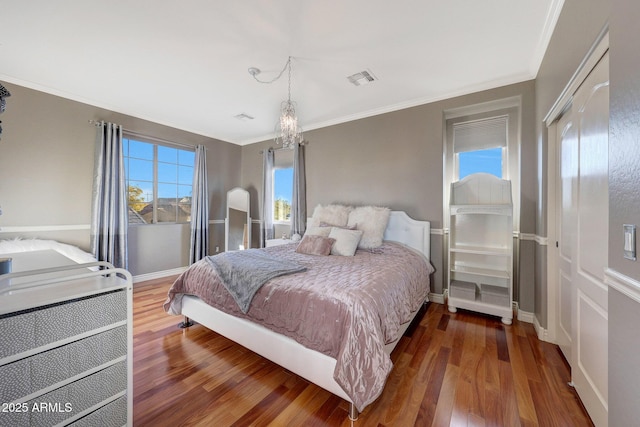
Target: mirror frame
237, 197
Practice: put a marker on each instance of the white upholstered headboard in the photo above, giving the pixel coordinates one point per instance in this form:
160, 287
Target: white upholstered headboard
404, 229
413, 233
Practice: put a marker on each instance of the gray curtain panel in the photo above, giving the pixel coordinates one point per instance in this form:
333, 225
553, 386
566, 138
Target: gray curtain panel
109, 216
299, 202
267, 231
199, 208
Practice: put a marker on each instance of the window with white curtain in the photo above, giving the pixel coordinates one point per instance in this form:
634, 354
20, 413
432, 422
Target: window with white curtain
159, 181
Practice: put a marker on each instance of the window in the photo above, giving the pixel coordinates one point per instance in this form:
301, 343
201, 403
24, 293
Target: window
483, 138
488, 160
480, 146
159, 182
282, 194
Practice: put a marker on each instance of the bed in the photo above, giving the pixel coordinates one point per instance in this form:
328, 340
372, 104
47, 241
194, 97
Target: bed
374, 312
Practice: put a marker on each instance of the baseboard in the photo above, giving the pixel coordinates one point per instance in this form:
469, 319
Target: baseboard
524, 316
158, 274
543, 334
437, 298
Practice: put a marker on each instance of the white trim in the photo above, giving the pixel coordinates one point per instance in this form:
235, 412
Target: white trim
547, 31
623, 284
437, 232
524, 316
534, 237
437, 298
216, 221
543, 334
590, 60
158, 274
32, 228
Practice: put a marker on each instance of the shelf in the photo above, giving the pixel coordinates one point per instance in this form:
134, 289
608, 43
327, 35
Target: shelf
478, 271
481, 246
479, 250
504, 210
475, 305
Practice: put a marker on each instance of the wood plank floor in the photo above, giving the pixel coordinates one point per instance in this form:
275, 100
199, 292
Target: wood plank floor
460, 369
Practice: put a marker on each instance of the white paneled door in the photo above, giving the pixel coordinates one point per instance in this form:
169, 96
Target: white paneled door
583, 222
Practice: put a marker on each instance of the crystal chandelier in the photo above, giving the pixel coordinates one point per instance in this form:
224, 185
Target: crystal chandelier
287, 131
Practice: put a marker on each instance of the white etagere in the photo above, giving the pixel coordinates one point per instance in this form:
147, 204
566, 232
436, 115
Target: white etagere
481, 246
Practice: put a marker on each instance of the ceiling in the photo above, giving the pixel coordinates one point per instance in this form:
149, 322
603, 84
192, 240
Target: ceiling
184, 64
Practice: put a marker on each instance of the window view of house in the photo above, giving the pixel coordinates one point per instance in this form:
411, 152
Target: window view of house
159, 182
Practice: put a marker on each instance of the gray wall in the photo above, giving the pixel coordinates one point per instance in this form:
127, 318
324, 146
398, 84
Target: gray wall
396, 160
624, 208
46, 171
578, 26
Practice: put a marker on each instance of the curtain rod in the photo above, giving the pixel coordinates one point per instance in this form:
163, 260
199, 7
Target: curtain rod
282, 148
97, 123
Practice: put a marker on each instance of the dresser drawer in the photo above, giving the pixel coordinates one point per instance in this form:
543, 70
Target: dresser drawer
34, 328
37, 372
113, 414
79, 396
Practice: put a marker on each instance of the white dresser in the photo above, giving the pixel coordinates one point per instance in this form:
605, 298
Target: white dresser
66, 350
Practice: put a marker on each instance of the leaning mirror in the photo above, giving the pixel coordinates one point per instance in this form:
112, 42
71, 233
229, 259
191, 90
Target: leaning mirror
238, 221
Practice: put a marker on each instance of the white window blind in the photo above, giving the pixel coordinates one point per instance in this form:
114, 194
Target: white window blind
480, 134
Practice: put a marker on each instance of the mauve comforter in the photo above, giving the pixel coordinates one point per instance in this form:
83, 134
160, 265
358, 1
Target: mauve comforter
345, 307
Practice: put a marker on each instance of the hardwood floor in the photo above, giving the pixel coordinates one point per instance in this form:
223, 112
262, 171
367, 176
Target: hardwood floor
461, 369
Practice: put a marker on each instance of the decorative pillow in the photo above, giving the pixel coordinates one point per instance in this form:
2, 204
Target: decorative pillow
317, 231
346, 241
372, 220
315, 245
348, 227
331, 214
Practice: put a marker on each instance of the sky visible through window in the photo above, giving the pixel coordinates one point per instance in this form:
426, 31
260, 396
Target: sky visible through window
175, 169
283, 184
488, 161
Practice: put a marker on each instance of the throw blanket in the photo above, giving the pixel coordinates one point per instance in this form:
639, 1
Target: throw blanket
243, 272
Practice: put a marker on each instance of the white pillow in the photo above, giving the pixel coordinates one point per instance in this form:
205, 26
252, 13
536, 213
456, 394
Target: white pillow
331, 214
372, 220
317, 231
346, 241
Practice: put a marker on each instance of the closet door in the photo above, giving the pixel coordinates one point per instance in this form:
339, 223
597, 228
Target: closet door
583, 240
568, 202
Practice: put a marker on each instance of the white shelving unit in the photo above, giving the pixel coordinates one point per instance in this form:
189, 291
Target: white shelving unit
481, 246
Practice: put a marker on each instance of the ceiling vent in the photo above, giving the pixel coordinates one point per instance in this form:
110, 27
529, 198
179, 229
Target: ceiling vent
244, 117
362, 78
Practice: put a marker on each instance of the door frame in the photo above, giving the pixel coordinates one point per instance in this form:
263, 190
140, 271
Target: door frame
564, 100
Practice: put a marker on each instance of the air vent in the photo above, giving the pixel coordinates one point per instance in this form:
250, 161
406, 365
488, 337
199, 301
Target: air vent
244, 117
362, 78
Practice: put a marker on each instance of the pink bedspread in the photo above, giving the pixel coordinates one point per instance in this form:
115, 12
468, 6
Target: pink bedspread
345, 307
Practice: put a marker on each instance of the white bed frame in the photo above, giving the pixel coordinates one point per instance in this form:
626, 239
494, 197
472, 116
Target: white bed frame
314, 366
